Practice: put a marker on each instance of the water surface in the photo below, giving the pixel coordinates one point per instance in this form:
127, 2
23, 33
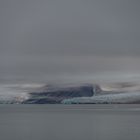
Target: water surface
69, 122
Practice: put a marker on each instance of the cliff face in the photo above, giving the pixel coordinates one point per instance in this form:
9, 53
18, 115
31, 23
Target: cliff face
56, 94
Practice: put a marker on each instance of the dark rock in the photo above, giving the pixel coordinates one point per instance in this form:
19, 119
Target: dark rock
55, 94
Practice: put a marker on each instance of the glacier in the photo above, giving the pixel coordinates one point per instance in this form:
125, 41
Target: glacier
118, 98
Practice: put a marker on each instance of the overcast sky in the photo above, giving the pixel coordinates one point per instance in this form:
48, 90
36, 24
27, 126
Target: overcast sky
69, 40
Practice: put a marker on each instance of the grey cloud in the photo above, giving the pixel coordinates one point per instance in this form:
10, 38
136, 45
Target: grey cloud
47, 40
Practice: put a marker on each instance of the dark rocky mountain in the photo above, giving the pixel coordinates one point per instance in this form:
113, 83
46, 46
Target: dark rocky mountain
56, 94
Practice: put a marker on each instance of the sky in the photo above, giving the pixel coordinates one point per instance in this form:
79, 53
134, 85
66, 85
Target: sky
69, 40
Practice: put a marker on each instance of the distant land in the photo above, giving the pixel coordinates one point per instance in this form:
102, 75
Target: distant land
118, 93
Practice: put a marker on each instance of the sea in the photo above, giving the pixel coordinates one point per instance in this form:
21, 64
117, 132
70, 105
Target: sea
69, 122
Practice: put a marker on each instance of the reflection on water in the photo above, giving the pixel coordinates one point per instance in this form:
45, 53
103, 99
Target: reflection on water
71, 122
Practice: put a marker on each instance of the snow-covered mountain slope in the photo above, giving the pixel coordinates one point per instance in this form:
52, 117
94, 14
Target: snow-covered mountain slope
117, 98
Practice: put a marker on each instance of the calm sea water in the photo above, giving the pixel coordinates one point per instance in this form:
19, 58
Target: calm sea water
69, 122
